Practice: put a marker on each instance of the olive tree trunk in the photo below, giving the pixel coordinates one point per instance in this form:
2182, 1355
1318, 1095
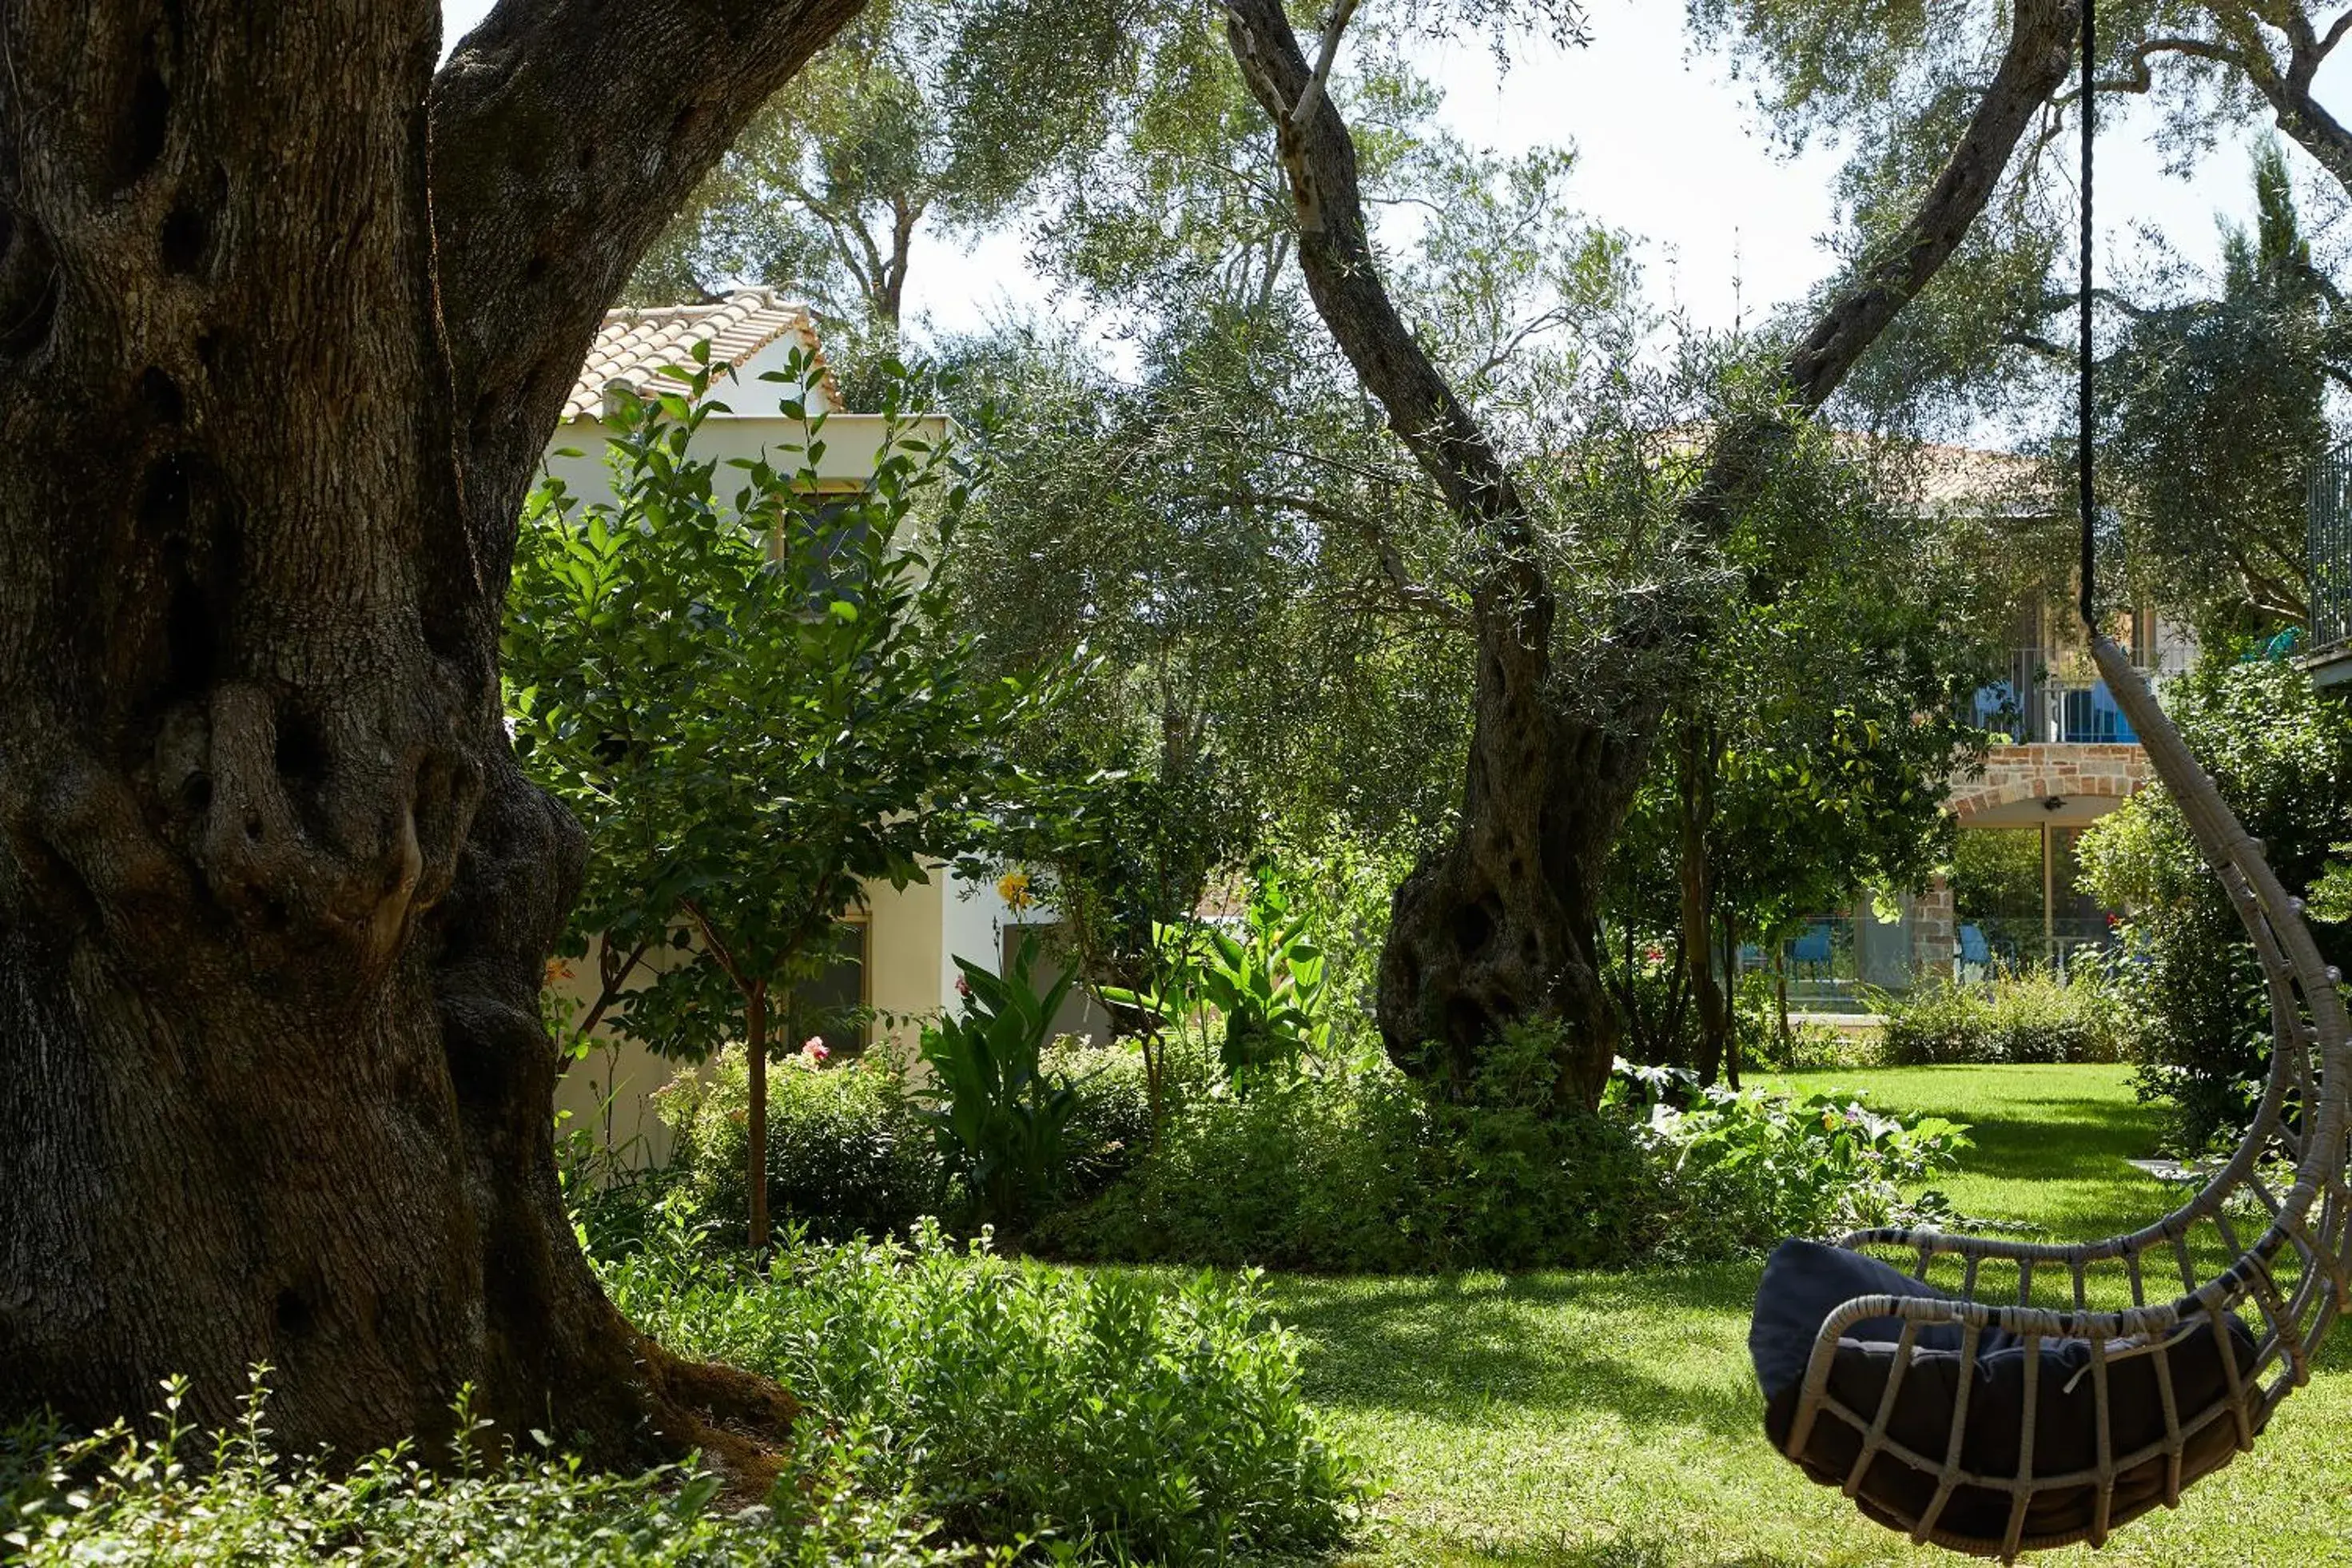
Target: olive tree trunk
286, 322
1501, 923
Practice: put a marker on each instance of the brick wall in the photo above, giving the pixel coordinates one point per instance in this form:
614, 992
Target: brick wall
2012, 773
1932, 928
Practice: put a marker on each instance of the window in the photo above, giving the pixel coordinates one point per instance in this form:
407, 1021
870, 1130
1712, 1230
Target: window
834, 1005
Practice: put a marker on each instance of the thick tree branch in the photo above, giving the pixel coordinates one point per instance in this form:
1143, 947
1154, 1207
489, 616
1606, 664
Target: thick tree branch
1320, 83
2304, 118
2241, 47
2032, 69
1335, 252
2139, 76
2040, 347
2336, 32
565, 134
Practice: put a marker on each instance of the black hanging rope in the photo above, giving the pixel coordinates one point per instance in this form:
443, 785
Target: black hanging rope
2087, 371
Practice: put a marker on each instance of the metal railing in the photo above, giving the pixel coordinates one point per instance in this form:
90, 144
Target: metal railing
2033, 708
2328, 546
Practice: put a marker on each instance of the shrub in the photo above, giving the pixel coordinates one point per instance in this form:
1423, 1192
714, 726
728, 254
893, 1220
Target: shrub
1808, 1046
1111, 1126
2191, 977
2030, 1016
1000, 1117
1315, 1171
1361, 1172
1742, 1169
186, 1496
1132, 1419
1358, 1170
847, 1154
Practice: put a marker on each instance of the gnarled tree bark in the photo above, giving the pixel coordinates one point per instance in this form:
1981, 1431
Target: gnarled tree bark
286, 322
1502, 923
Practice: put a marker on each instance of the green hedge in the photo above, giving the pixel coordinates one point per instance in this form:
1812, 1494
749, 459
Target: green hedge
2027, 1017
846, 1155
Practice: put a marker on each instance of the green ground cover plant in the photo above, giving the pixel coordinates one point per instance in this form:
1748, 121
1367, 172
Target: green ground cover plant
173, 1495
958, 1407
1118, 1416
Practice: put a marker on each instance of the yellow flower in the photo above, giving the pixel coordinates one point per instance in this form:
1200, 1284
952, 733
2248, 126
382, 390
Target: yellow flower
1014, 889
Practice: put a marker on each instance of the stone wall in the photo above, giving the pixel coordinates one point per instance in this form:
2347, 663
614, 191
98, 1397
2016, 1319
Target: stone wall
2015, 773
1932, 928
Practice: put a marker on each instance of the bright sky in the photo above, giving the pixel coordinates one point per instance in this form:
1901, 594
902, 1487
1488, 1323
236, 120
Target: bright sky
1673, 151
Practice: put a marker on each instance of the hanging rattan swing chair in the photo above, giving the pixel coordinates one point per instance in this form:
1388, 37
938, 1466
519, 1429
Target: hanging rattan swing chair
1980, 1419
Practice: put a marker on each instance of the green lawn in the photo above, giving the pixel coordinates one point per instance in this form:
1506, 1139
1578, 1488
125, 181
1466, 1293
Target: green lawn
1610, 1420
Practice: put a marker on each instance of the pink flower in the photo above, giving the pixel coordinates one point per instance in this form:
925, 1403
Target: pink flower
963, 987
813, 1049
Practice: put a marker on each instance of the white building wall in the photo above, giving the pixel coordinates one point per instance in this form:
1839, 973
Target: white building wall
974, 915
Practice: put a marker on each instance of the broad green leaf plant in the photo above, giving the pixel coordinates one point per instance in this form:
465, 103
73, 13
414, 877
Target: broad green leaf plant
1267, 979
999, 1116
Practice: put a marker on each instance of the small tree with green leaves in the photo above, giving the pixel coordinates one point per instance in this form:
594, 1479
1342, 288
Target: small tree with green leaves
1811, 753
757, 706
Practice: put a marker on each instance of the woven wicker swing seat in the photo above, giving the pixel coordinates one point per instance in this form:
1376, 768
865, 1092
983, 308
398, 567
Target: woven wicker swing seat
1972, 1415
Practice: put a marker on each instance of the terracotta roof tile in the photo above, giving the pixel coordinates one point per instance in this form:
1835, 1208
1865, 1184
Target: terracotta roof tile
633, 346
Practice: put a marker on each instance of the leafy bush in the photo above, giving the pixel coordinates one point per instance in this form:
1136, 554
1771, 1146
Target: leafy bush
1808, 1046
1111, 1128
1264, 980
2030, 1016
846, 1154
1314, 1172
1125, 1418
2282, 755
1361, 1172
186, 1496
1743, 1168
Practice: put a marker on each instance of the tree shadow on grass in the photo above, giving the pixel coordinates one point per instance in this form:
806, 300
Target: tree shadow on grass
1552, 1344
2060, 1138
1621, 1552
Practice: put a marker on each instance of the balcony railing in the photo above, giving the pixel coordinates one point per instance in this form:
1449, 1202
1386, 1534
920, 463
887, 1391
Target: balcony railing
2329, 544
2033, 708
